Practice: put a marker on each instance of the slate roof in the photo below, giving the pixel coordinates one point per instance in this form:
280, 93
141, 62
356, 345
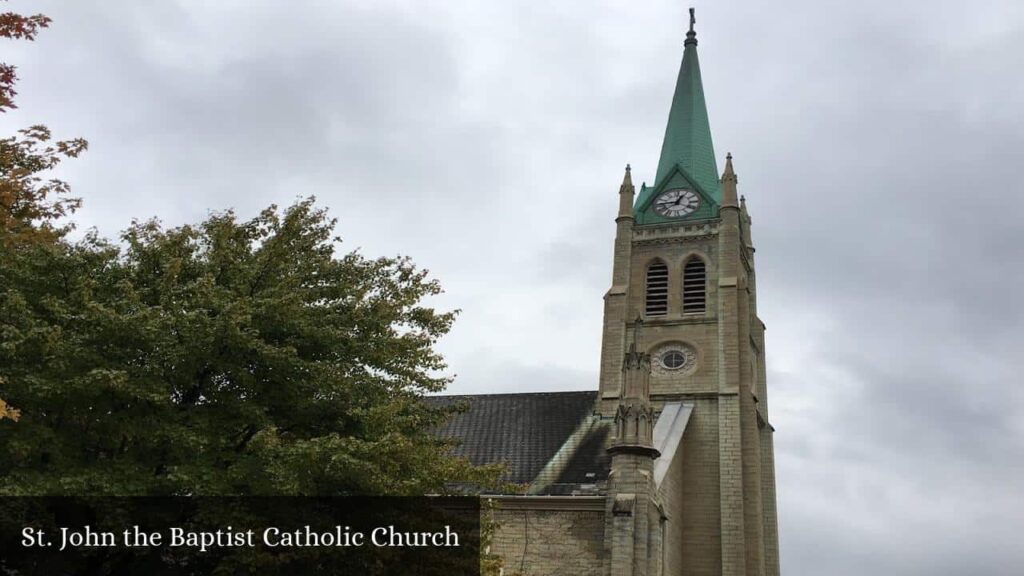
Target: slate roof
527, 431
590, 462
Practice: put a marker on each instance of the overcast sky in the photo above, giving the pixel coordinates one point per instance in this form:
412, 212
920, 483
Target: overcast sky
878, 144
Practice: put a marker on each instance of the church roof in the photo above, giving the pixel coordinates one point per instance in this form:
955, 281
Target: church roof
550, 441
553, 443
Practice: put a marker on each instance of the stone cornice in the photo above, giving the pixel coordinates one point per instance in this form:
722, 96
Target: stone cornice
658, 321
663, 233
578, 503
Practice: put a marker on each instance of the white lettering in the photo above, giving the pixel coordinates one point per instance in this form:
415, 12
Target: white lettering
206, 540
32, 537
87, 538
307, 537
390, 537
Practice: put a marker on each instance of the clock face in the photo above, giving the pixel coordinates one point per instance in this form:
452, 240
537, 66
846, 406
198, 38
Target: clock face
676, 203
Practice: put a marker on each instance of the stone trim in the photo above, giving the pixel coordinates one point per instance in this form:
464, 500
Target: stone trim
670, 240
579, 503
680, 320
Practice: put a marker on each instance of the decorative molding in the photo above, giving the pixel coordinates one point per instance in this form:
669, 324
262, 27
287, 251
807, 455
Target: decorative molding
661, 321
683, 396
634, 424
689, 354
568, 503
670, 240
668, 233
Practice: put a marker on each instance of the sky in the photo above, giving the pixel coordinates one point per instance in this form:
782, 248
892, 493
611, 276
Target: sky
877, 143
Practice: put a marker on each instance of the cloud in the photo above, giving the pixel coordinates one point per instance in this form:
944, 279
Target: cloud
876, 143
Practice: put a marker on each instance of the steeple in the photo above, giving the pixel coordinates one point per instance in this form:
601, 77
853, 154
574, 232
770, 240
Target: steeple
688, 133
687, 400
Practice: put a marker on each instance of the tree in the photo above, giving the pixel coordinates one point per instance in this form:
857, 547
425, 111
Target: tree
225, 358
230, 357
30, 204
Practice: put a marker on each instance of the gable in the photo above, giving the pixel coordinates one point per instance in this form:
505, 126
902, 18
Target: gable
677, 177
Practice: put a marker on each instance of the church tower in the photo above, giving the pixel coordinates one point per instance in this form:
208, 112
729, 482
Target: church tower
683, 267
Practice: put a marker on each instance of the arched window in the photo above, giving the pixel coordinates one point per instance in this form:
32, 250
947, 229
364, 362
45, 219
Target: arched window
657, 289
694, 286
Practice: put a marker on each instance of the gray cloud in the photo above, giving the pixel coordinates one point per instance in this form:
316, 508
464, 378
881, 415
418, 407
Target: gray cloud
877, 144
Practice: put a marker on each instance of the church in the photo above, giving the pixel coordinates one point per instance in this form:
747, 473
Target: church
668, 467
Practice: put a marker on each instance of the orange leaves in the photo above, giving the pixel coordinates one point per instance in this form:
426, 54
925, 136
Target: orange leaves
6, 411
16, 26
30, 204
22, 27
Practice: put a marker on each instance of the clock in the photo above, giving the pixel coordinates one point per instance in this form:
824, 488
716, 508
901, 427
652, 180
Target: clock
676, 203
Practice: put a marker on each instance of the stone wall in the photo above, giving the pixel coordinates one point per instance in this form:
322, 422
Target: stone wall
539, 542
701, 545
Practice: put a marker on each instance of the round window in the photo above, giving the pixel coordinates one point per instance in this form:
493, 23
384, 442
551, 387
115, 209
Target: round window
673, 359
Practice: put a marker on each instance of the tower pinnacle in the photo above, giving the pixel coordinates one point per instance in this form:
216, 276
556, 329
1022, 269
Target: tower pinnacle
729, 174
627, 180
626, 192
729, 184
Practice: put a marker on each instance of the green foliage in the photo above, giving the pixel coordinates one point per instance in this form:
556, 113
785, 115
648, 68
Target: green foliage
491, 564
231, 357
227, 358
30, 204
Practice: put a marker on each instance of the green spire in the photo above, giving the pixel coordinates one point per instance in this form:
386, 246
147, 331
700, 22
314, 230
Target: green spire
688, 134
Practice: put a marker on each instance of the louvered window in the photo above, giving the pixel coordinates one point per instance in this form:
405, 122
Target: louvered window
694, 286
657, 289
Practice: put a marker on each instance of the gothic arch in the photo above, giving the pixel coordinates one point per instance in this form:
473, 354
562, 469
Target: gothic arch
694, 253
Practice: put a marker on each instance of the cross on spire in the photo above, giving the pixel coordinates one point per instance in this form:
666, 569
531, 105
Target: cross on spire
691, 36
